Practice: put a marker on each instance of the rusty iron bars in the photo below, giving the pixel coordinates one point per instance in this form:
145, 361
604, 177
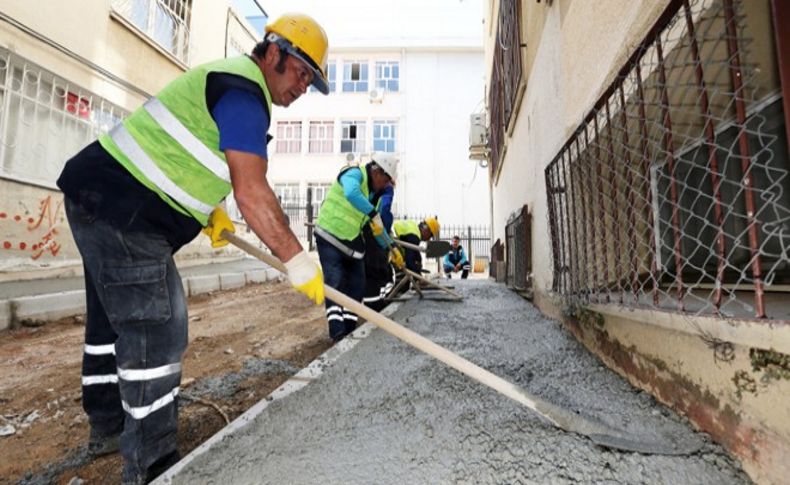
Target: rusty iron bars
673, 192
506, 75
518, 247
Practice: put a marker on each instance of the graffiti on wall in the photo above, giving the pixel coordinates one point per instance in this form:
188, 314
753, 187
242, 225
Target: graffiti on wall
41, 229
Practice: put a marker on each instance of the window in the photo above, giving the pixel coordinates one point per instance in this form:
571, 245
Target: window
322, 135
287, 193
163, 21
331, 76
289, 137
44, 120
355, 76
385, 135
319, 192
387, 75
353, 137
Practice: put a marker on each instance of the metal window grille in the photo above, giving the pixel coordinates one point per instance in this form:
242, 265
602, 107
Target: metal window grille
673, 192
322, 137
506, 73
289, 137
352, 137
518, 245
44, 120
163, 21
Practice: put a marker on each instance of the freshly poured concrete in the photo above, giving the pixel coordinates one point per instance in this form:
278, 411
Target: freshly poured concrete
385, 413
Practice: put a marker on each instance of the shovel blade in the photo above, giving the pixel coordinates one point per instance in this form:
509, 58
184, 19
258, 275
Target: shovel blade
437, 249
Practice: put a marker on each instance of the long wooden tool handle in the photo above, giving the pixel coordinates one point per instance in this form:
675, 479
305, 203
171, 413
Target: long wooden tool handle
414, 339
409, 245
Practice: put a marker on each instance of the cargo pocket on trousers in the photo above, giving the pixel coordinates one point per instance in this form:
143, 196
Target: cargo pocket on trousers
136, 293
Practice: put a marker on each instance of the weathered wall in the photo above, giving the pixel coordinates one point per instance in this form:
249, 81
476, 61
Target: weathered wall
735, 393
573, 51
39, 243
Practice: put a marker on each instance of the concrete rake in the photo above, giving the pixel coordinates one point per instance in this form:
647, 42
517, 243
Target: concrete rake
598, 432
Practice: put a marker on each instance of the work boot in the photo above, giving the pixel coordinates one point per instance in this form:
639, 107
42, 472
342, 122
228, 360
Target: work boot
102, 444
134, 476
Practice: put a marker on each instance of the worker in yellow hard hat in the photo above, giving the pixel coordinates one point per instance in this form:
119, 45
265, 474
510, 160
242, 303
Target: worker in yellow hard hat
139, 193
414, 232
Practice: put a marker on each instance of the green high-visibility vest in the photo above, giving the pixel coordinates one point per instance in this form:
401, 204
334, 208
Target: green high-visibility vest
171, 143
403, 228
337, 216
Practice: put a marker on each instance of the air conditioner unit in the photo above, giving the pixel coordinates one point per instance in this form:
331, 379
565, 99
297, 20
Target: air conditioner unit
478, 134
376, 95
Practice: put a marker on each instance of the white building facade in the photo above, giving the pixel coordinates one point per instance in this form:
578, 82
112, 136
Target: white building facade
410, 94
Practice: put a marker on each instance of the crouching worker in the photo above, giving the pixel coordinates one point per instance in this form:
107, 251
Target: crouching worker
456, 260
339, 240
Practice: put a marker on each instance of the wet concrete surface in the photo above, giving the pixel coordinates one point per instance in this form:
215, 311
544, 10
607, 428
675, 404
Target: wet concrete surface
386, 413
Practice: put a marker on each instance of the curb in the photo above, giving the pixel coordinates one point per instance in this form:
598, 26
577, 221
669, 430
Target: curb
40, 309
296, 382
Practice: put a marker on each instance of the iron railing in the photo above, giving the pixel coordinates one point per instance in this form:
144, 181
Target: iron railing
673, 191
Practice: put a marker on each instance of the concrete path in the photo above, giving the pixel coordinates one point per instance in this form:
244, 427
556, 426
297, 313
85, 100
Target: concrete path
384, 413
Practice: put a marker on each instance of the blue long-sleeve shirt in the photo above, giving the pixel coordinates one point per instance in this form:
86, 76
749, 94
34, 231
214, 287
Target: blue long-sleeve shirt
351, 181
385, 207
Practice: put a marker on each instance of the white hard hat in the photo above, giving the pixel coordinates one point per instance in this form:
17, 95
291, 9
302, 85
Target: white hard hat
388, 162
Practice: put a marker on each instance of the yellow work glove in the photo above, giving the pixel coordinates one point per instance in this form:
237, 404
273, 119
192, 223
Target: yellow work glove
396, 258
376, 225
218, 221
306, 277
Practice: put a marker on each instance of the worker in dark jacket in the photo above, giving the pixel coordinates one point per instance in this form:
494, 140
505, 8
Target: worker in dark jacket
415, 232
339, 240
378, 270
456, 260
142, 191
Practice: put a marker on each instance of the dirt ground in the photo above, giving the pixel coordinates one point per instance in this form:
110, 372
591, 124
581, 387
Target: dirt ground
243, 344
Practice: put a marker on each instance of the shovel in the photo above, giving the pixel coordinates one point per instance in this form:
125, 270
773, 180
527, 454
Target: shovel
432, 249
598, 432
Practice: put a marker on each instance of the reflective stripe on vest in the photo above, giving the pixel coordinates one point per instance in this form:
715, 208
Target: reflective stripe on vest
182, 135
126, 142
171, 143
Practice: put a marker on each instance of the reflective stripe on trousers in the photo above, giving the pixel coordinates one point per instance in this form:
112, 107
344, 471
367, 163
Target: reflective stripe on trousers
135, 336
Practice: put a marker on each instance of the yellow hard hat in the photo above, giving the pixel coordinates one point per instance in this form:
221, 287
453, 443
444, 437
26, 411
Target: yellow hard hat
433, 225
304, 39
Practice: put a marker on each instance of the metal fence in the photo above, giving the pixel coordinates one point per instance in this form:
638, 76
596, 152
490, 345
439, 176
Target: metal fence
518, 245
475, 238
673, 191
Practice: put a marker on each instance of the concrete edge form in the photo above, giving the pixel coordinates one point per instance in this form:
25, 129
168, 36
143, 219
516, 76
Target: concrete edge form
42, 308
5, 314
293, 384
